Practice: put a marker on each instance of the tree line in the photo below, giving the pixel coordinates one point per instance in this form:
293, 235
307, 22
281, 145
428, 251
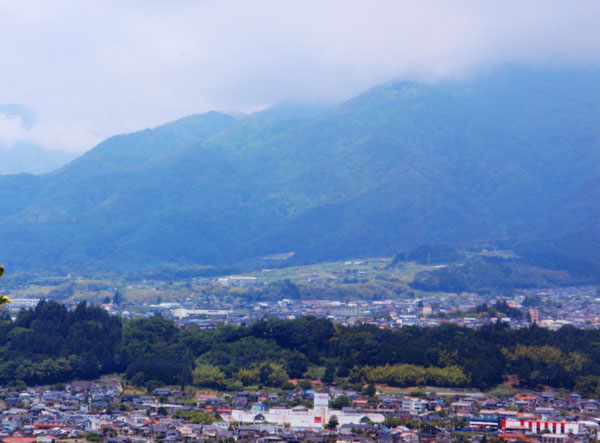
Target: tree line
50, 344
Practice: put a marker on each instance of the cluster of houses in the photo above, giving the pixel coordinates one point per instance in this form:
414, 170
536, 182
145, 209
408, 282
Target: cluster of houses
101, 411
557, 307
205, 306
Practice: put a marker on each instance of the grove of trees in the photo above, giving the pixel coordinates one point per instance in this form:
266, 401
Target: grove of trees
52, 344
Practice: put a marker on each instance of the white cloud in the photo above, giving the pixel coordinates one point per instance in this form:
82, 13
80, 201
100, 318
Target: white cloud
92, 69
12, 128
50, 135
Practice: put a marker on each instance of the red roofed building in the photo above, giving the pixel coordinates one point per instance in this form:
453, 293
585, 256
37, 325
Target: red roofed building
20, 440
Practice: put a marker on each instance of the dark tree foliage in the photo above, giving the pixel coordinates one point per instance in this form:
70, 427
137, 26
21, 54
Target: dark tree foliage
492, 274
498, 309
51, 344
154, 350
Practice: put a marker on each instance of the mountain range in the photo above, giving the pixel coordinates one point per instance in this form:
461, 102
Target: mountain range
509, 155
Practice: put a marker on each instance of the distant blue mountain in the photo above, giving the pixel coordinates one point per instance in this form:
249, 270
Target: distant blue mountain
30, 158
511, 155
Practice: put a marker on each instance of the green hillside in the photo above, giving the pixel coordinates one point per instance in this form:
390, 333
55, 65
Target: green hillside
514, 154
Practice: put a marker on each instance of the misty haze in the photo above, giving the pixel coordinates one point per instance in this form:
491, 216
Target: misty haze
300, 221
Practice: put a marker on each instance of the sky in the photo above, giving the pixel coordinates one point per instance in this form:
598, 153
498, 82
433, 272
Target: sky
75, 72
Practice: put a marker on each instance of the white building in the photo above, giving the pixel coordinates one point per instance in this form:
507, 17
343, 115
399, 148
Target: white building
413, 405
408, 320
182, 313
23, 303
237, 280
301, 417
537, 426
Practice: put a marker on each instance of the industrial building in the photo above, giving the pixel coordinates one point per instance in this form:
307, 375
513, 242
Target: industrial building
301, 417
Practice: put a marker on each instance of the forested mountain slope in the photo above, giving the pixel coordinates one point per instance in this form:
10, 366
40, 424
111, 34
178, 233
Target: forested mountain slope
511, 154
